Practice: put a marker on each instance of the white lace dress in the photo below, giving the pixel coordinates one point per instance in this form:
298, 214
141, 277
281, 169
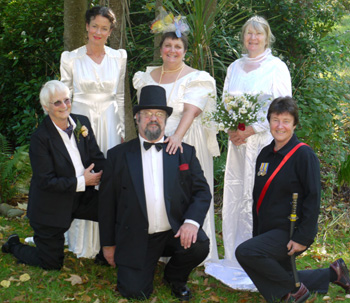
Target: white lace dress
197, 88
98, 93
268, 75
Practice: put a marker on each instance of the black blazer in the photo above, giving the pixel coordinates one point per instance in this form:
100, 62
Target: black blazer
122, 203
300, 174
53, 185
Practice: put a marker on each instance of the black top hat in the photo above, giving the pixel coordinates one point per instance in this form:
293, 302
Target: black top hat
152, 97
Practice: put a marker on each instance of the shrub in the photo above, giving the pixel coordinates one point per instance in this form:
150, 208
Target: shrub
31, 42
14, 169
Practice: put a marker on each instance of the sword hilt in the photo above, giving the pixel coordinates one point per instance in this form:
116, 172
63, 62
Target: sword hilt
293, 216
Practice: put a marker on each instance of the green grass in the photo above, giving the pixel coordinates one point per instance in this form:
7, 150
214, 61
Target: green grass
99, 282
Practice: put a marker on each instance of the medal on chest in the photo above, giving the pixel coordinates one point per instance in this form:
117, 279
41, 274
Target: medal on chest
263, 169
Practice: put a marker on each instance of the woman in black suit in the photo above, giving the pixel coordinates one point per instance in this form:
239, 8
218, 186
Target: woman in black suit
266, 257
67, 163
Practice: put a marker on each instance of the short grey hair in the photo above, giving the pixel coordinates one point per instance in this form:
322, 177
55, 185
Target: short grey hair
50, 89
259, 24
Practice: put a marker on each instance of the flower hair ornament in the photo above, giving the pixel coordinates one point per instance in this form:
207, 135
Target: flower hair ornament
168, 23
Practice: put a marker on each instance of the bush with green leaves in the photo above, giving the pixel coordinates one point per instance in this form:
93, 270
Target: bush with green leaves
31, 41
15, 170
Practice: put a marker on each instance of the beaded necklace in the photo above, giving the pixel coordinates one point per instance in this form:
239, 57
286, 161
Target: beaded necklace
171, 71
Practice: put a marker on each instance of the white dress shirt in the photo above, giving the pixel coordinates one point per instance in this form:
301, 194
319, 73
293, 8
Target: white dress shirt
74, 154
153, 180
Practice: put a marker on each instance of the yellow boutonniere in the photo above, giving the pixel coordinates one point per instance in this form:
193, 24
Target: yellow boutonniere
80, 130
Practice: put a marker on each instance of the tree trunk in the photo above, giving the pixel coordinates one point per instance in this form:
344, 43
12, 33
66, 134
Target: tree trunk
74, 34
117, 40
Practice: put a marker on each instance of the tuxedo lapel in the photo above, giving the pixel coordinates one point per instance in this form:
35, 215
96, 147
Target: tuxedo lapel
56, 139
80, 142
134, 162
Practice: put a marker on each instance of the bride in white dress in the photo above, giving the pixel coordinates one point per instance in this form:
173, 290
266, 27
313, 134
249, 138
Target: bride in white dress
95, 75
191, 93
256, 72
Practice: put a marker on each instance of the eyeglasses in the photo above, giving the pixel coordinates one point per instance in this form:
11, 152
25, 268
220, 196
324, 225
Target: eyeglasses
149, 115
59, 102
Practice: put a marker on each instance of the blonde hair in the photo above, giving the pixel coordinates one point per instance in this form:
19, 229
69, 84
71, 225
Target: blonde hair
259, 24
50, 89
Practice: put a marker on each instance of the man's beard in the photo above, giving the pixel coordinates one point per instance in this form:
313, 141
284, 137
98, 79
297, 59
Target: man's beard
153, 135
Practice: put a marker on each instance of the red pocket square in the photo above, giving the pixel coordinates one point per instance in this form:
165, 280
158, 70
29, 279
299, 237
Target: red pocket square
184, 166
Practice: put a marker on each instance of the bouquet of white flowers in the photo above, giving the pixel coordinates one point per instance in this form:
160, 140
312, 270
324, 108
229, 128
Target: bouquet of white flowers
237, 111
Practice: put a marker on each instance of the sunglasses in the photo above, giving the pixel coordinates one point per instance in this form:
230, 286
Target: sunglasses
59, 102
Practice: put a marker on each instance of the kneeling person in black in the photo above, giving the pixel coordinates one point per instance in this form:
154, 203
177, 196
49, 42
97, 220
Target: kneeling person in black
67, 163
266, 257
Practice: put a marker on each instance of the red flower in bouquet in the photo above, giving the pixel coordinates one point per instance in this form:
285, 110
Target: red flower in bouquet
241, 126
237, 111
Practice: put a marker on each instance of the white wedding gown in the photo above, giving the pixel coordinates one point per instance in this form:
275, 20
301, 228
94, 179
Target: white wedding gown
98, 93
197, 88
268, 75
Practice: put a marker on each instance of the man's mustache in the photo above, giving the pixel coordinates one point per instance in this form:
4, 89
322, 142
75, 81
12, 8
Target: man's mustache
153, 123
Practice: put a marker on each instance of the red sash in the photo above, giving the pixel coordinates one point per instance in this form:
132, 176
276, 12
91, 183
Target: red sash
267, 184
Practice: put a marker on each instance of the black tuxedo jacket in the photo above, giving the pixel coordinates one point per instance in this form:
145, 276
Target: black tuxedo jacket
122, 203
53, 185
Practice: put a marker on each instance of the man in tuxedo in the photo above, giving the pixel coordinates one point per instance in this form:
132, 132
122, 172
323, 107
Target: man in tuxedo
64, 155
153, 204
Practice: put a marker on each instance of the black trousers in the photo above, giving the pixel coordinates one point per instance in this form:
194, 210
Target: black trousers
138, 283
265, 260
49, 240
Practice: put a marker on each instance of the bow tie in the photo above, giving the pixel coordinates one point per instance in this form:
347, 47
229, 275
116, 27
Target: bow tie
69, 130
147, 145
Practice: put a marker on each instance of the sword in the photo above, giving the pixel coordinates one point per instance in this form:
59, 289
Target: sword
293, 218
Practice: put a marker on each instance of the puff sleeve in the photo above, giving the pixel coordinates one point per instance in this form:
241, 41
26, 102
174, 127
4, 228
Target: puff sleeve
120, 97
66, 69
200, 91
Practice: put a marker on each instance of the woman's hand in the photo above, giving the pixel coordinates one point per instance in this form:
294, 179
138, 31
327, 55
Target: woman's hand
108, 253
174, 142
235, 137
92, 178
294, 247
238, 137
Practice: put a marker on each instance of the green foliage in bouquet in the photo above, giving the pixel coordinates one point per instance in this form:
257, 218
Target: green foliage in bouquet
235, 112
